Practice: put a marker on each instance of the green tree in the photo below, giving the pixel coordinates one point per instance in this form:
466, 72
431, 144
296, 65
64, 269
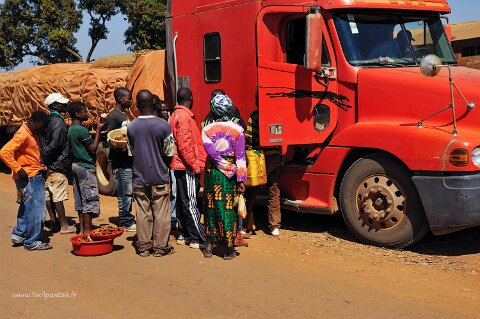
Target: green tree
147, 24
15, 16
100, 11
43, 29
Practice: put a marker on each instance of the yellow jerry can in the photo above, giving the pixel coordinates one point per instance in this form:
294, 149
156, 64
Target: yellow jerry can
256, 168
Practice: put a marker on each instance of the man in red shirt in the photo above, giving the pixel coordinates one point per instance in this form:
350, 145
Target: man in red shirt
22, 156
188, 163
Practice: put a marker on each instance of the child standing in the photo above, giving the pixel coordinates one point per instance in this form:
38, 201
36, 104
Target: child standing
121, 160
22, 156
85, 189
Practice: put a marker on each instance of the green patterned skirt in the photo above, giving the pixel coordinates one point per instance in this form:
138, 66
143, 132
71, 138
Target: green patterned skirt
221, 221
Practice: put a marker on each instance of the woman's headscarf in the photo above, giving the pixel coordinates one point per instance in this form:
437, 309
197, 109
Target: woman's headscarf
222, 109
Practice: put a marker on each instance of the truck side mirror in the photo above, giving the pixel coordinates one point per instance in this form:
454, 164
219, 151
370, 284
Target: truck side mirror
431, 65
313, 42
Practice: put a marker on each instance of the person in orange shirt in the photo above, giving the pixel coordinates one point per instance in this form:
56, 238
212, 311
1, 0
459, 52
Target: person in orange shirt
22, 155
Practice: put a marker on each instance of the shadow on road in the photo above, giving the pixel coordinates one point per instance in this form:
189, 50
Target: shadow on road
118, 247
113, 220
465, 242
310, 223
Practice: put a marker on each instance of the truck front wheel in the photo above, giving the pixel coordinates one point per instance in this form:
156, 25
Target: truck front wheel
380, 204
105, 180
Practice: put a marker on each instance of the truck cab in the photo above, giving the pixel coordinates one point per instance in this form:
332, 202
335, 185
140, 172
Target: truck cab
338, 87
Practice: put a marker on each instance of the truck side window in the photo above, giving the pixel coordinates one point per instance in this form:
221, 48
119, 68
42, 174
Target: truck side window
295, 43
212, 57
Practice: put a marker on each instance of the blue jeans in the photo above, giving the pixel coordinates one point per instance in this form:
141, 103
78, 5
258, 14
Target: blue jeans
123, 179
173, 196
31, 213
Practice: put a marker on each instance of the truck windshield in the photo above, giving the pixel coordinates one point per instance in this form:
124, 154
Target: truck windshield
391, 40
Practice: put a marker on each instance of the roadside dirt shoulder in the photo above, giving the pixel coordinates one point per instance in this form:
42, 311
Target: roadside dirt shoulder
315, 270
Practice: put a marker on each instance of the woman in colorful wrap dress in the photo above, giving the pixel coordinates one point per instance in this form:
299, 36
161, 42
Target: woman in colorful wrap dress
225, 173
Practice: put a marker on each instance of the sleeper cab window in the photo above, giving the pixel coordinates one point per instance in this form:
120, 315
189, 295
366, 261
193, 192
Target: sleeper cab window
212, 57
295, 43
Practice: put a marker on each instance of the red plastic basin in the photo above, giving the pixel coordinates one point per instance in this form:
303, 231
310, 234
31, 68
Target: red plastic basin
93, 248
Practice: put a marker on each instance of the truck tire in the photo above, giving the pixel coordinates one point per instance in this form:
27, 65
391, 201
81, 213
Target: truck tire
105, 180
380, 203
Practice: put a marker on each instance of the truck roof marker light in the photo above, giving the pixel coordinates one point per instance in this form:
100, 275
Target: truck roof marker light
418, 3
430, 66
458, 157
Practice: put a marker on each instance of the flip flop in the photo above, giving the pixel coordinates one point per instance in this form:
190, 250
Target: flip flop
68, 231
168, 251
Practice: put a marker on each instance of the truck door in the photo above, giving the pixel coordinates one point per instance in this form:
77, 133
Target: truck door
296, 106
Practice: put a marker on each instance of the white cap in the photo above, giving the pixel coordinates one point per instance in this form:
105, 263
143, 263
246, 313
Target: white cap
56, 97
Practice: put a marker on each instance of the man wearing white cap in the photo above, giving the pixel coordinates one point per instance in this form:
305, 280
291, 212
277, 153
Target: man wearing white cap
55, 155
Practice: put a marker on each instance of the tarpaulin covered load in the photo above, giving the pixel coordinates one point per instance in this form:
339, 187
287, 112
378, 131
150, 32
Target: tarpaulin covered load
125, 61
22, 92
150, 73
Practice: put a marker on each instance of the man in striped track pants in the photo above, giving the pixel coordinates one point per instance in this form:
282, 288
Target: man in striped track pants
188, 163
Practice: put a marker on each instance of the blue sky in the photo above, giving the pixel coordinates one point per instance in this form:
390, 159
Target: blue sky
462, 10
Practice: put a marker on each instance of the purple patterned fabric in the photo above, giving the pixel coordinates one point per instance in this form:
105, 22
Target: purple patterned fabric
222, 139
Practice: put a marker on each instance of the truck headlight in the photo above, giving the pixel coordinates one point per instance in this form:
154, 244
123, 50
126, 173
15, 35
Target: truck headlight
476, 156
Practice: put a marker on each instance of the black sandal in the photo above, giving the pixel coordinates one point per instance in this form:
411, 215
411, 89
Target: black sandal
229, 253
208, 252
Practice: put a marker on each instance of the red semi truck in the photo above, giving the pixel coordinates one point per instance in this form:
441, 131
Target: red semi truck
338, 86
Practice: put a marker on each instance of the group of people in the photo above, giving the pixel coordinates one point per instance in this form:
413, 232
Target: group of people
41, 154
159, 172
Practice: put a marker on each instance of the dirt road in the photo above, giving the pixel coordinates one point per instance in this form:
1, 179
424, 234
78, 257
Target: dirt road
315, 270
